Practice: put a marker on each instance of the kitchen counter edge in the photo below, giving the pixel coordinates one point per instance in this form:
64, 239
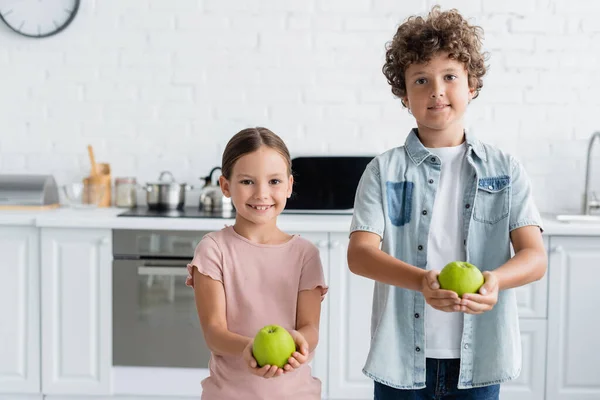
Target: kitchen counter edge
108, 218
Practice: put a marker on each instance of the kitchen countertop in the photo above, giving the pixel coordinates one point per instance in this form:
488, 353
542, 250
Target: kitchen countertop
65, 217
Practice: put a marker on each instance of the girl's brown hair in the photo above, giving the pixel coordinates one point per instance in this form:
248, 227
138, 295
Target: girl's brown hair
249, 140
418, 39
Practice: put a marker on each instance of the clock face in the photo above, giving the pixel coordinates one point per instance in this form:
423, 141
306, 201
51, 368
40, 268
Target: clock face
38, 18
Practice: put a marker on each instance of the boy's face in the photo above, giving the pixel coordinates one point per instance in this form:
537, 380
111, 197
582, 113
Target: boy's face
437, 94
259, 186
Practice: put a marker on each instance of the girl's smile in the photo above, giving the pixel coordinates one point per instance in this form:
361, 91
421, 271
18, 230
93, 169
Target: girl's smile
259, 187
260, 207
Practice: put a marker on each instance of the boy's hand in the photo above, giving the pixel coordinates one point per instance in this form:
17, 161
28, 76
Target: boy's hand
440, 299
486, 299
266, 371
300, 356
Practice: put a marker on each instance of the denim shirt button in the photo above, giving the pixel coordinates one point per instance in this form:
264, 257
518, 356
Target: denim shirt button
468, 206
417, 349
420, 247
466, 346
431, 181
416, 315
424, 212
433, 159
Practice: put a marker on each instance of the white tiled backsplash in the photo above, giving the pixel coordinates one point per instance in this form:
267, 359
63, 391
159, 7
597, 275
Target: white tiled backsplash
157, 85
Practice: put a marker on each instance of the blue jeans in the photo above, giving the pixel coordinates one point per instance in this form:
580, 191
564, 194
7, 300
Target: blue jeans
441, 381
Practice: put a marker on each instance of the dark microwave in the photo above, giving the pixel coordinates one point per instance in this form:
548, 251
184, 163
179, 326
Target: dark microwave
325, 184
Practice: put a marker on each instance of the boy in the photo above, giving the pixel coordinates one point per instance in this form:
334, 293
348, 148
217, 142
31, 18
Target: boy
443, 196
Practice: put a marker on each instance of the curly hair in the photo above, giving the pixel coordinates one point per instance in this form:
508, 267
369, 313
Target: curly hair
418, 39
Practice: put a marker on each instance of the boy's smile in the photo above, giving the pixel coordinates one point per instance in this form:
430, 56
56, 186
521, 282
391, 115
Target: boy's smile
437, 95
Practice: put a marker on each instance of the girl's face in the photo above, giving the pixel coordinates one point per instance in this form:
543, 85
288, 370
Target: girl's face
259, 185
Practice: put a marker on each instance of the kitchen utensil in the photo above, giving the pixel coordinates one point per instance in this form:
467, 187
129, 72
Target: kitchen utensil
211, 197
94, 170
166, 194
101, 177
84, 195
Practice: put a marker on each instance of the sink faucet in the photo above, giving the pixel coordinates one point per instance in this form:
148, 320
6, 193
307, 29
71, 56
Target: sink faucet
590, 201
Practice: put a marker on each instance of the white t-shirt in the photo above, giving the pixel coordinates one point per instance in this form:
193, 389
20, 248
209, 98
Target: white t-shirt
443, 330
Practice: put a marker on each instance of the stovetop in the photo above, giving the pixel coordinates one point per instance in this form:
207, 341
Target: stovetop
188, 212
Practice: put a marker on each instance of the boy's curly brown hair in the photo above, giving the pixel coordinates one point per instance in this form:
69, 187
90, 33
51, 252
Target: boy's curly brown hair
418, 39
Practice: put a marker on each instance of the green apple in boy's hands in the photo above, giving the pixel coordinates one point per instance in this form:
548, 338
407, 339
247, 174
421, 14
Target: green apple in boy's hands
298, 357
461, 277
440, 299
273, 345
485, 300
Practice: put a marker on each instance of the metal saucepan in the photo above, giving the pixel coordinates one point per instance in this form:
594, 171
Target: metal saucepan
166, 194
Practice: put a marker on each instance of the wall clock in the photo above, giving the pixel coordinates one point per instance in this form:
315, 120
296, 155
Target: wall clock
38, 18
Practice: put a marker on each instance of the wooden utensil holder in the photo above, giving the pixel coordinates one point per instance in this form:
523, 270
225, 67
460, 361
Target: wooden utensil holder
101, 179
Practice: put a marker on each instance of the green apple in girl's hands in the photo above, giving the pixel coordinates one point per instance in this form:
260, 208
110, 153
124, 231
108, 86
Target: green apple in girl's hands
273, 345
461, 277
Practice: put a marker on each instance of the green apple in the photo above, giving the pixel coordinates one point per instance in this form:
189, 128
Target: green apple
273, 345
461, 277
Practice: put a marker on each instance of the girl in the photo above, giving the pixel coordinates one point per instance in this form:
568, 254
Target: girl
252, 274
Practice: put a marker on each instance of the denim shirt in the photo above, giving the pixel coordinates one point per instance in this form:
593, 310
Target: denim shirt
395, 189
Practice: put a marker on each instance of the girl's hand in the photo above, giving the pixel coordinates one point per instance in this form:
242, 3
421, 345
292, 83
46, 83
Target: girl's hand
486, 299
266, 371
440, 299
189, 280
300, 356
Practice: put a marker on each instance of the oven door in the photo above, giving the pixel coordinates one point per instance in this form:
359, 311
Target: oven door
155, 323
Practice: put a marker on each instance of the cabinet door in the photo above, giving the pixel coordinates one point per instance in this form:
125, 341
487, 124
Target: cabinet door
19, 310
573, 319
349, 325
532, 299
531, 382
319, 362
76, 311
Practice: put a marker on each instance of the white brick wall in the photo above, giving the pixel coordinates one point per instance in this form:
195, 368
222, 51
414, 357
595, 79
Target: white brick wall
156, 85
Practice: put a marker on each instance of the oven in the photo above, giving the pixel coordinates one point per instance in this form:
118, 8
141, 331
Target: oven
156, 331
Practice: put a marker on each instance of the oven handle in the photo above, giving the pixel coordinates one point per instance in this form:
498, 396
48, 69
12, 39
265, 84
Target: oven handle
161, 270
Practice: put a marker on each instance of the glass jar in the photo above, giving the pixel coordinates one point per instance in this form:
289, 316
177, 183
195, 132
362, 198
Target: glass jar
126, 192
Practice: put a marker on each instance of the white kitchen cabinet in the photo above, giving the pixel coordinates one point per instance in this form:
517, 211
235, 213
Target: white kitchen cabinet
532, 299
319, 362
573, 319
76, 311
349, 325
19, 310
530, 385
532, 304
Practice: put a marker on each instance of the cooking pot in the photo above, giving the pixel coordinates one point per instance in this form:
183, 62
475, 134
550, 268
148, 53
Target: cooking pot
166, 194
212, 198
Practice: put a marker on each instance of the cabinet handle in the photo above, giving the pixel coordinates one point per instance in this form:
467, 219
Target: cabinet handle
322, 244
104, 241
557, 249
334, 244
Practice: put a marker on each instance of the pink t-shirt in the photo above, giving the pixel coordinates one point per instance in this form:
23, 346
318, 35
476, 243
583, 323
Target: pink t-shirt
261, 288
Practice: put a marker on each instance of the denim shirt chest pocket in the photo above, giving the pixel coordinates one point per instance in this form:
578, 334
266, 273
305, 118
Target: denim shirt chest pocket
492, 199
399, 200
